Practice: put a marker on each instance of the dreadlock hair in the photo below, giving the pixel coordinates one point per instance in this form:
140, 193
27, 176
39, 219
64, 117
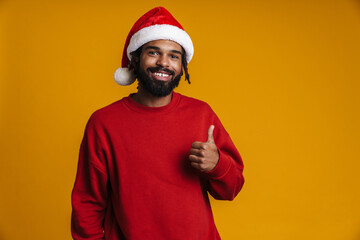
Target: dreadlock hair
135, 61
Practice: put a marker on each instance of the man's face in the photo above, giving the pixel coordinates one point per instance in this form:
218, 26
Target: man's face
160, 67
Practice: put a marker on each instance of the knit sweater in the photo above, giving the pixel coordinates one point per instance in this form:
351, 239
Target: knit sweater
134, 179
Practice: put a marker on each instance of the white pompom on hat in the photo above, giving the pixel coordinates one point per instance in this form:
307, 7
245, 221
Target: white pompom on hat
156, 24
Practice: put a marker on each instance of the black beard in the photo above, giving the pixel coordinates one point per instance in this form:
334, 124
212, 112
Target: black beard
156, 87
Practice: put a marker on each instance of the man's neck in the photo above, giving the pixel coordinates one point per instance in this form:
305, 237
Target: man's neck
145, 98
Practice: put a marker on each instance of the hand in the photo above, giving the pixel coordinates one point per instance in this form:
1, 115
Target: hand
204, 156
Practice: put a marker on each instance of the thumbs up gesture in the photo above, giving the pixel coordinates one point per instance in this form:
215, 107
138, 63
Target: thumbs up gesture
204, 155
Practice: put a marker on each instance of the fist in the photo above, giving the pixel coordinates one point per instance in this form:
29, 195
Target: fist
204, 156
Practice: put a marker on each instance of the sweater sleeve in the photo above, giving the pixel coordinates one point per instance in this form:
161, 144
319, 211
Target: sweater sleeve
89, 194
226, 179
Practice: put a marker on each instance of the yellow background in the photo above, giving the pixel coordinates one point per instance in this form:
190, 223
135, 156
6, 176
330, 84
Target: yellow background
283, 76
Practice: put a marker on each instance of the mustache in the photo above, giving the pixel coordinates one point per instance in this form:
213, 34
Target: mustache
156, 69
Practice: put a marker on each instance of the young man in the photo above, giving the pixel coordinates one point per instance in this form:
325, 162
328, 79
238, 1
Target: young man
148, 161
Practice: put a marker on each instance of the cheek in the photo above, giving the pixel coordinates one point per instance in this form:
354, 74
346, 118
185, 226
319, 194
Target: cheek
146, 62
145, 65
177, 67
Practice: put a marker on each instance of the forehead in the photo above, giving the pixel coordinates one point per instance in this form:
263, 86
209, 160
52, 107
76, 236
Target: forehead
164, 45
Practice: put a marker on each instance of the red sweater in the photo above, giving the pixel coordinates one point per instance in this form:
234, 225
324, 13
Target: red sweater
134, 179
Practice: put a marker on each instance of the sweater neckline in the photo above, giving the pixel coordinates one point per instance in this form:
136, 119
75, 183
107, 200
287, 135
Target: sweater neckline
133, 105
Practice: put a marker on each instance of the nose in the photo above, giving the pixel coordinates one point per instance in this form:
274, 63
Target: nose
163, 61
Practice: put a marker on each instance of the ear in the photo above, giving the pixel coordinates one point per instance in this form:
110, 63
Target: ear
134, 62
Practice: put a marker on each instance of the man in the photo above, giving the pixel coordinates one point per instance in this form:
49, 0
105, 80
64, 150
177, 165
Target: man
148, 161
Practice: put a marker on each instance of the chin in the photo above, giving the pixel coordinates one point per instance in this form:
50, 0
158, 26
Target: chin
156, 87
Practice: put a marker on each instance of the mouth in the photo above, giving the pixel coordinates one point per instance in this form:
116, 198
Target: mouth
162, 75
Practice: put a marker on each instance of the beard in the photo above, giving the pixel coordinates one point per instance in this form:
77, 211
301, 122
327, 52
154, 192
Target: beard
156, 87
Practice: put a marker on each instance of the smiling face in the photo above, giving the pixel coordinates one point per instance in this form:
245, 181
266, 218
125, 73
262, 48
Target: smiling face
160, 67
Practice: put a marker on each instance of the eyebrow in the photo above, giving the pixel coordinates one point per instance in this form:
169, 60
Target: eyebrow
157, 48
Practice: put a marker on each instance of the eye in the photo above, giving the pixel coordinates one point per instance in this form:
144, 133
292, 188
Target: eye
174, 56
152, 53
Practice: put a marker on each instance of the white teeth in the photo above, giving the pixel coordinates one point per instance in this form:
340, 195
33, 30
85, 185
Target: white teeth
161, 74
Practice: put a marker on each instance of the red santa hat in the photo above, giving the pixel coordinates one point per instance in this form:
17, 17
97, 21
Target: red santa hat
156, 24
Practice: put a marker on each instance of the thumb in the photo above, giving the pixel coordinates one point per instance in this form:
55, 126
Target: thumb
210, 134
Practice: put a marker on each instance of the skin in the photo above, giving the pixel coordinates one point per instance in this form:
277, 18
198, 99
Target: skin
159, 53
203, 156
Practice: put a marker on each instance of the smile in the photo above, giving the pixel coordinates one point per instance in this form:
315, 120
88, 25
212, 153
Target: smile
161, 74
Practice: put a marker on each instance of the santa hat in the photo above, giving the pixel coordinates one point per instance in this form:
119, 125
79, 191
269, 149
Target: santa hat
156, 24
